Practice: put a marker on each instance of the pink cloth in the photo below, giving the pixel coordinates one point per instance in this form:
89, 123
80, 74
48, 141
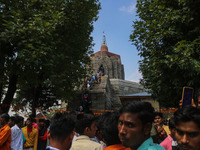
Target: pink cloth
167, 143
35, 126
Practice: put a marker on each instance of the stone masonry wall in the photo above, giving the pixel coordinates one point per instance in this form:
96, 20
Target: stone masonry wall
106, 95
112, 66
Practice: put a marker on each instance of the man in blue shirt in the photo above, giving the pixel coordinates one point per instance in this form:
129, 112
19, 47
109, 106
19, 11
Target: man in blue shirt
135, 123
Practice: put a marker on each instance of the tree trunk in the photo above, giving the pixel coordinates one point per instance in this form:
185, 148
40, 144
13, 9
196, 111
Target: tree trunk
36, 96
10, 93
1, 91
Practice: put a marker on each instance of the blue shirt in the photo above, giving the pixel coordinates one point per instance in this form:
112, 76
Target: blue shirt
149, 145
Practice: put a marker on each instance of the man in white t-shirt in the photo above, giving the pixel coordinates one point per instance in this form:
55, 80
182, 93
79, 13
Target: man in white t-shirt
16, 134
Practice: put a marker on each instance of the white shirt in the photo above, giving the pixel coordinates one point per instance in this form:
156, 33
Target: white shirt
16, 138
51, 148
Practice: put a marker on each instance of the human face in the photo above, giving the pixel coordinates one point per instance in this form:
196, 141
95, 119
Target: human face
2, 121
92, 130
161, 133
11, 123
41, 124
188, 135
21, 124
131, 130
172, 132
158, 120
29, 124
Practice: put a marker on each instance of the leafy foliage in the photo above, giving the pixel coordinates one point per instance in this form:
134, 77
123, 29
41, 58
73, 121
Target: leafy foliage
167, 38
46, 43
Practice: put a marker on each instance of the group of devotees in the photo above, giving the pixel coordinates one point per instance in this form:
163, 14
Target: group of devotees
136, 126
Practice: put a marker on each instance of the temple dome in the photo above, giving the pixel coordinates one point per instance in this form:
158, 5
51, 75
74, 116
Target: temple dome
104, 48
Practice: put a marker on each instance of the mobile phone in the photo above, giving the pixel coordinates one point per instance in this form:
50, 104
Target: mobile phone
187, 96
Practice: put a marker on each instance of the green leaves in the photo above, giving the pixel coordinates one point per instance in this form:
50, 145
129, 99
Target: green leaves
167, 38
51, 40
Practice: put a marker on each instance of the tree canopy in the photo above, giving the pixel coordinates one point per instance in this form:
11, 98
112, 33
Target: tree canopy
44, 49
167, 36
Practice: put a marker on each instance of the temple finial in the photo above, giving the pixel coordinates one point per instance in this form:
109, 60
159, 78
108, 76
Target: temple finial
104, 39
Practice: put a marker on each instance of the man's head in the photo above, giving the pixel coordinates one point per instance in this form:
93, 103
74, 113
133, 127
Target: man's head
41, 123
85, 125
135, 123
11, 121
187, 122
29, 123
19, 121
109, 128
4, 119
172, 127
61, 131
161, 133
158, 118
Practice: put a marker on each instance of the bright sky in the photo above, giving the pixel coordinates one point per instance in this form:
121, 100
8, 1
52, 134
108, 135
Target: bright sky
116, 19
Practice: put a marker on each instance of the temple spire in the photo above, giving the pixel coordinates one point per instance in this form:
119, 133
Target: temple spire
104, 44
104, 39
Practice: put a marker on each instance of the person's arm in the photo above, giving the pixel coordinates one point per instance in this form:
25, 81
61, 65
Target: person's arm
35, 140
4, 136
193, 104
44, 137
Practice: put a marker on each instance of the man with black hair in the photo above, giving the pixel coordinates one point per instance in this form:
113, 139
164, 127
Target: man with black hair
85, 126
134, 125
31, 135
61, 132
11, 121
42, 136
170, 142
160, 134
158, 121
109, 131
5, 132
187, 122
16, 134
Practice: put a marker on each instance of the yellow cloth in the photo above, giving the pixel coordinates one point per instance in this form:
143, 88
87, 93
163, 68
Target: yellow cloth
166, 128
5, 137
31, 139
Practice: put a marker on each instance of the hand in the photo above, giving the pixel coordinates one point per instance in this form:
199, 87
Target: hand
198, 103
193, 104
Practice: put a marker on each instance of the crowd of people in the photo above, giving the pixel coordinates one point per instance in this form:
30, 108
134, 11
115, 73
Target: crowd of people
17, 135
136, 126
95, 79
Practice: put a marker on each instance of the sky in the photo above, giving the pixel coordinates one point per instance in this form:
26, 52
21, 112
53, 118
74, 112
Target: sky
115, 20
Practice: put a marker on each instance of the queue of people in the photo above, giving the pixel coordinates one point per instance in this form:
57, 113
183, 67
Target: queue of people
94, 79
14, 135
134, 127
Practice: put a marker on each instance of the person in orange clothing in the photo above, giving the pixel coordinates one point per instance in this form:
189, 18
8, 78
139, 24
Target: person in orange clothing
31, 135
5, 132
109, 131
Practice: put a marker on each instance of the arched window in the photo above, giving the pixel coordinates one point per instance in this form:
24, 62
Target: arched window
101, 70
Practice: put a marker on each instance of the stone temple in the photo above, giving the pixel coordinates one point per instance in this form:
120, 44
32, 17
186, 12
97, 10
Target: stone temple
106, 94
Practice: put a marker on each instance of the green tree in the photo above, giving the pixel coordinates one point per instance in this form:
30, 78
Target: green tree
167, 38
50, 43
